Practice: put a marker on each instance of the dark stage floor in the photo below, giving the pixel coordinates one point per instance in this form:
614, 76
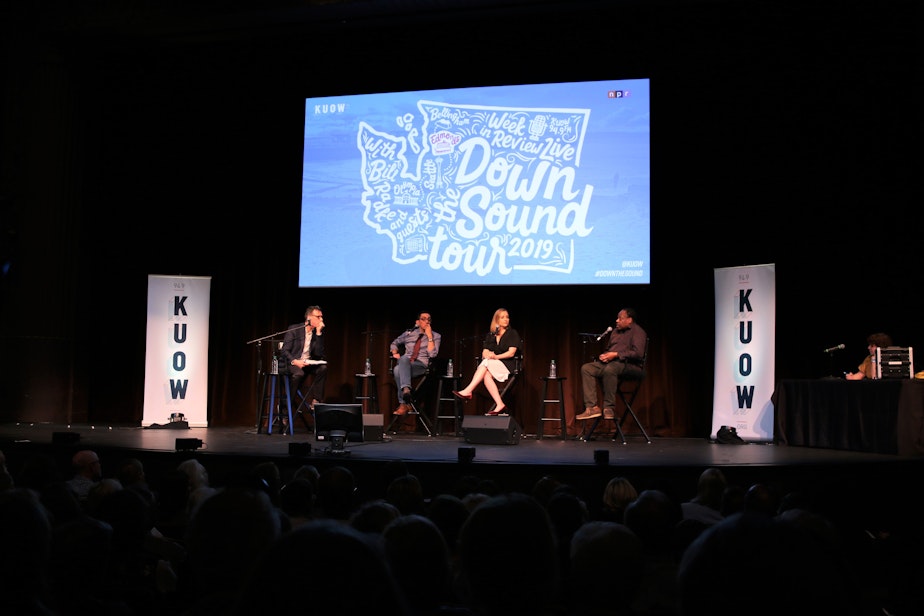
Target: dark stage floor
836, 478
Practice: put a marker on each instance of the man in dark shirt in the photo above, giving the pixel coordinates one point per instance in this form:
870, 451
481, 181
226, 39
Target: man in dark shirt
624, 351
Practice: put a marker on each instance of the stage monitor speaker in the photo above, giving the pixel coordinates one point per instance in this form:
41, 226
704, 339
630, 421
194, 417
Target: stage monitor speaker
373, 427
488, 430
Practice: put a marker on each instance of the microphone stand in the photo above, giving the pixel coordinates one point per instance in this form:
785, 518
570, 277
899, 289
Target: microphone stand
261, 376
372, 334
585, 338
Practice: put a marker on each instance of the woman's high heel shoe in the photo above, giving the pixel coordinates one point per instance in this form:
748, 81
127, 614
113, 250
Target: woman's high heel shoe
497, 411
461, 396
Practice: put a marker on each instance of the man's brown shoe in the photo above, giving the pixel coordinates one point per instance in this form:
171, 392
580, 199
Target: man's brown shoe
609, 414
401, 410
590, 413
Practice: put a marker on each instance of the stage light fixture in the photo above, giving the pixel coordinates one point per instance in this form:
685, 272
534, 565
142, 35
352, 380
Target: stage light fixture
466, 454
188, 444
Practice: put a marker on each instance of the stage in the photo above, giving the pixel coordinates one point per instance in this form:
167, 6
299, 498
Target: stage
833, 478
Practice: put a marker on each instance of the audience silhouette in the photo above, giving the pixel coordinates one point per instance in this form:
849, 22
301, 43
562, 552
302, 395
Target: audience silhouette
183, 547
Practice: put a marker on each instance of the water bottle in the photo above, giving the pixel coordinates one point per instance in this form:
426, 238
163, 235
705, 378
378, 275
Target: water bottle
449, 368
553, 370
368, 366
874, 360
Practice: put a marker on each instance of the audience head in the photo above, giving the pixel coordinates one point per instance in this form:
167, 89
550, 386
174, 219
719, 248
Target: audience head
406, 493
654, 516
419, 557
710, 487
336, 497
25, 537
227, 533
508, 542
544, 487
309, 472
296, 499
373, 516
761, 498
603, 550
6, 479
617, 495
347, 574
196, 472
449, 513
86, 463
130, 472
802, 575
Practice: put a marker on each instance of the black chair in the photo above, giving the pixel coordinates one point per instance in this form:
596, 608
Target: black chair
419, 389
630, 383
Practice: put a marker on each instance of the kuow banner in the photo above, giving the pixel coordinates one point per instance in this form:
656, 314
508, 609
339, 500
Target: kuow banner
745, 350
177, 355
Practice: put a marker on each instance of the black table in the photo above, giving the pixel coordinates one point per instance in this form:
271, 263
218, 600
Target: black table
881, 416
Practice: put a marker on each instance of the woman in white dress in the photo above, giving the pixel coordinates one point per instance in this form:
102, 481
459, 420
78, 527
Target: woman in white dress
497, 360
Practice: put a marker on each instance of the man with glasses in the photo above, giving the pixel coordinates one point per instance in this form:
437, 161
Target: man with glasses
303, 354
421, 344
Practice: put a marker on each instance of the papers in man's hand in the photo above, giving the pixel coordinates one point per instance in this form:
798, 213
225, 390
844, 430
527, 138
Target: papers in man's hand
315, 362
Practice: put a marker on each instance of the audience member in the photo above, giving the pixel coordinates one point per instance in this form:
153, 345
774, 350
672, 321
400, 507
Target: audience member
199, 486
761, 498
617, 495
567, 513
654, 517
611, 553
38, 470
801, 576
508, 543
347, 574
371, 517
86, 471
419, 558
336, 498
25, 537
706, 506
296, 499
406, 493
270, 474
544, 488
449, 513
228, 533
6, 479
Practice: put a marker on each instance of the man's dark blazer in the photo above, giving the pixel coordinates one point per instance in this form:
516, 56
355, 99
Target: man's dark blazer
294, 342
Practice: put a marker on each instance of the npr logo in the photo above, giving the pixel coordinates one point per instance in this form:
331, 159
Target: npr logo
618, 94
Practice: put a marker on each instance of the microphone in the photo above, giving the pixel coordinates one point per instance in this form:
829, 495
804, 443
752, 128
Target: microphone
838, 347
608, 330
497, 330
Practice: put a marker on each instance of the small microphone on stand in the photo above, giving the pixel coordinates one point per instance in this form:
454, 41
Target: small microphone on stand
497, 330
839, 347
608, 330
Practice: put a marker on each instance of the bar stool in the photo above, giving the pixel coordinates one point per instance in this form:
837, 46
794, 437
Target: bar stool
450, 384
560, 400
269, 402
367, 388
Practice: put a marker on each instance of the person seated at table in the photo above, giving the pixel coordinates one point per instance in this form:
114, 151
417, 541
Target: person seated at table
866, 368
